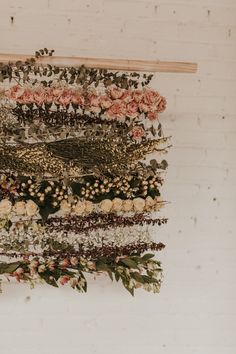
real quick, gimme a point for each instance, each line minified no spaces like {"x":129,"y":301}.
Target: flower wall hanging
{"x":81,"y":167}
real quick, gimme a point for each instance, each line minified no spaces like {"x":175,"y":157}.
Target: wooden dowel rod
{"x":112,"y":64}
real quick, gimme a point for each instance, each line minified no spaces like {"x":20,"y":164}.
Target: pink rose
{"x":64,"y":279}
{"x":132,"y":109}
{"x":117,"y":110}
{"x":105,"y":101}
{"x":138,"y":95}
{"x":49,"y":96}
{"x":27,"y":97}
{"x":161,"y":105}
{"x":152,"y":115}
{"x":143,"y":107}
{"x":151,"y":97}
{"x":18,"y":274}
{"x":127,"y":96}
{"x":65,"y":97}
{"x":115,"y":92}
{"x":57,"y":91}
{"x":93,"y":100}
{"x":137,"y":132}
{"x":78,"y":99}
{"x":15,"y":92}
{"x":65,"y":263}
{"x":40,"y":96}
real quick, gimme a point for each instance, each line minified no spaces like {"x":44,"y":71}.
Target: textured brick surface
{"x":195,"y":312}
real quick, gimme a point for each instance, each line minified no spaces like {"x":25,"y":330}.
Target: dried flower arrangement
{"x":79,"y":189}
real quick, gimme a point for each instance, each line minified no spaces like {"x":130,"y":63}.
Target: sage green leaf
{"x":129,"y":262}
{"x":9,"y":267}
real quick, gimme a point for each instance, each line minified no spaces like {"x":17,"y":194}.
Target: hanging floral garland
{"x":79,"y":187}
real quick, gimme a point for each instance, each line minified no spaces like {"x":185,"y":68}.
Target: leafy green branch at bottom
{"x":134,"y":271}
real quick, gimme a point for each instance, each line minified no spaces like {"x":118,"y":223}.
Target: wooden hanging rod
{"x":112,"y":64}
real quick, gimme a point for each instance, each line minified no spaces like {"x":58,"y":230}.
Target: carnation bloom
{"x":152,"y":115}
{"x":105,"y":102}
{"x":137,"y":132}
{"x":132,"y":109}
{"x":117,"y":110}
{"x":115,"y":92}
{"x":162,"y":105}
{"x":64,"y":279}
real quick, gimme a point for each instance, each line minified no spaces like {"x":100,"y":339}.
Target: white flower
{"x":79,"y":208}
{"x":117,"y":204}
{"x":139,"y":204}
{"x":19,"y":208}
{"x":65,"y":207}
{"x":88,"y":207}
{"x":127,"y":205}
{"x":5,"y":207}
{"x":106,"y":205}
{"x":31,"y":208}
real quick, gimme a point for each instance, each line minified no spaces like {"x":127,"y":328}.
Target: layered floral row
{"x":115,"y":103}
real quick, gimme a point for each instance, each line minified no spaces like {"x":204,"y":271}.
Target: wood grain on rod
{"x":112,"y":64}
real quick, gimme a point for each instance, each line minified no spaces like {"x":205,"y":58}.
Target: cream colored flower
{"x":19,"y":208}
{"x":79,"y":208}
{"x":127,"y":205}
{"x":73,"y":282}
{"x":41,"y":268}
{"x":106,"y":205}
{"x":31,"y":208}
{"x":5,"y":207}
{"x":149,"y":203}
{"x":139,"y":204}
{"x":65,"y":207}
{"x":74,"y":261}
{"x":88,"y":207}
{"x":117,"y":204}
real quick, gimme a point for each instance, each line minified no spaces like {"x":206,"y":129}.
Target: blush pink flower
{"x":27,"y":96}
{"x":143,"y":107}
{"x":117,"y":110}
{"x":93,"y":100}
{"x":57,"y":91}
{"x":127,"y":96}
{"x":152,"y":115}
{"x":40,"y":95}
{"x":18,"y":274}
{"x":132,"y":109}
{"x":65,"y":262}
{"x":137,"y":132}
{"x":115,"y":92}
{"x":49,"y":95}
{"x":64,"y":279}
{"x":65,"y":97}
{"x":162,"y":105}
{"x":151,"y":97}
{"x":138,"y":95}
{"x":105,"y":102}
{"x":15,"y":92}
{"x":78,"y":99}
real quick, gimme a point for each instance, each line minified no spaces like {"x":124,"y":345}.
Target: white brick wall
{"x":195,"y":312}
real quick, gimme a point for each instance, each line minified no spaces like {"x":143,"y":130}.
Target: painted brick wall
{"x":195,"y":312}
